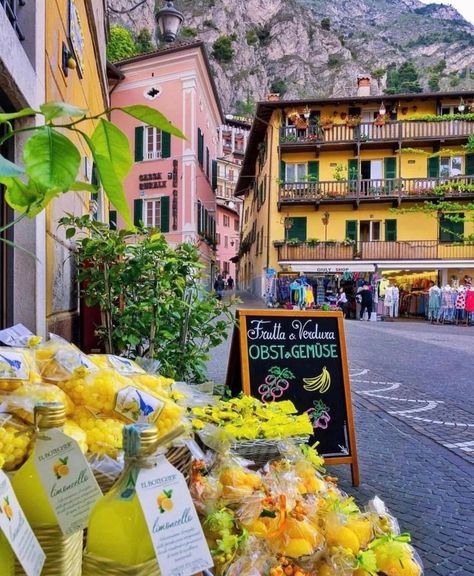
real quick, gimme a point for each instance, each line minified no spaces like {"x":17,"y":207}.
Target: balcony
{"x":393,"y":190}
{"x":375,"y":251}
{"x":10,"y":7}
{"x":397,"y":131}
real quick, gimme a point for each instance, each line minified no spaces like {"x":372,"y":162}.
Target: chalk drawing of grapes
{"x":275,"y":383}
{"x":319,"y":415}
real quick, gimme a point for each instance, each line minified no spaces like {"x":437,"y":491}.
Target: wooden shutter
{"x":165,"y":144}
{"x":298,"y":230}
{"x":450,"y":231}
{"x":390,"y":230}
{"x":165,"y":213}
{"x":137,"y":211}
{"x":390,"y":167}
{"x":207,"y":162}
{"x":351,"y":230}
{"x":313,"y":170}
{"x":200,"y":147}
{"x":138,"y":143}
{"x":113,"y":219}
{"x":352,"y":169}
{"x":214,"y":175}
{"x":433,"y":167}
{"x":282,"y":170}
{"x":469,"y":165}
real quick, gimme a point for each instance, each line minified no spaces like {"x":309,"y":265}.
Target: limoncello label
{"x":13,"y":365}
{"x":67,"y":479}
{"x":124,"y":366}
{"x":178,"y":540}
{"x":18,"y":532}
{"x":138,"y":406}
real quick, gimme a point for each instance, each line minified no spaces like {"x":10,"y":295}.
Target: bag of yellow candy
{"x":15,"y":440}
{"x":17,"y":366}
{"x":22,"y":401}
{"x":103,"y":433}
{"x":58,"y":359}
{"x":73,"y":430}
{"x":131,"y":369}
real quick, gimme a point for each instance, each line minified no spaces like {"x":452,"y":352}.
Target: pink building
{"x":171,"y":185}
{"x":228,"y":235}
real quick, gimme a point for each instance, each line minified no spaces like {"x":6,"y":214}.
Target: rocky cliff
{"x":305,"y":48}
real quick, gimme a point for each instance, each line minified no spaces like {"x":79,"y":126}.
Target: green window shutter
{"x":137,"y":211}
{"x":113,"y":219}
{"x":469,"y":165}
{"x":352,"y":169}
{"x":207,"y":161}
{"x":138,"y":143}
{"x":200,"y":147}
{"x":313,"y":171}
{"x":450,"y":231}
{"x":165,"y":144}
{"x":390,"y":167}
{"x":214,"y":175}
{"x":298,"y":230}
{"x":165,"y":213}
{"x":433,"y":167}
{"x":391,"y":230}
{"x":282,"y":170}
{"x":351,"y":230}
{"x":94,"y":175}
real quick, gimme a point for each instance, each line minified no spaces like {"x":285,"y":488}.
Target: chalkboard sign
{"x":299,"y":356}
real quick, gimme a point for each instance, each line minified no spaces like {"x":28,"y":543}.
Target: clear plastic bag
{"x":15,"y":441}
{"x":17,"y":366}
{"x":22,"y":401}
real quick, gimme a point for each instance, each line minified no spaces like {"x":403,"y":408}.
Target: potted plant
{"x":312,"y":242}
{"x":327,"y":123}
{"x":278,"y":243}
{"x":293,"y":242}
{"x":380,"y":120}
{"x":353,"y":120}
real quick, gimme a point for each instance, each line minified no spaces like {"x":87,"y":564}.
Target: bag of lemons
{"x":17,"y":366}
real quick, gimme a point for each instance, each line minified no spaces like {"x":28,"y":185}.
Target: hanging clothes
{"x":470,"y":300}
{"x":434,"y":302}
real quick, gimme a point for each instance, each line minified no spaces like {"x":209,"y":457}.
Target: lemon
{"x":167,"y":504}
{"x":362,"y":528}
{"x":303,"y":530}
{"x":342,"y":536}
{"x":297,"y":547}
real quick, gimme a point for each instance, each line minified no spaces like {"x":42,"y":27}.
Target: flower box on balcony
{"x":278,"y":243}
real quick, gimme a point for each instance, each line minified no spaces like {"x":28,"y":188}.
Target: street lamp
{"x":169,"y":20}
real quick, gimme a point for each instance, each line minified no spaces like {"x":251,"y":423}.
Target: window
{"x":231,"y":175}
{"x":225,"y":269}
{"x":226,"y":241}
{"x":450,"y":166}
{"x":450,"y":230}
{"x":208,"y":162}
{"x":369,"y":230}
{"x":236,"y":224}
{"x":295,"y":172}
{"x":246,"y":217}
{"x":453,"y":109}
{"x":297,"y":231}
{"x":218,"y":238}
{"x":219,"y":190}
{"x":153,"y":213}
{"x":152,"y":140}
{"x":226,"y":221}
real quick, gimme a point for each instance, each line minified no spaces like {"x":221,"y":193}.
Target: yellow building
{"x":323,"y":179}
{"x":77,"y":29}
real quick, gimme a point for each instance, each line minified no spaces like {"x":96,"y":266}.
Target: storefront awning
{"x":339,"y":267}
{"x":329,"y":267}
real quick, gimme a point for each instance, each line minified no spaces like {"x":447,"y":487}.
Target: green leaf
{"x":110,"y":142}
{"x":29,"y":198}
{"x":8,"y":168}
{"x":113,"y":186}
{"x":52,"y":110}
{"x":21,"y":114}
{"x":51,"y":159}
{"x":83,"y":186}
{"x":70,"y":233}
{"x":152,"y":117}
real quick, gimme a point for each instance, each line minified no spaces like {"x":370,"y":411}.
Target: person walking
{"x":219,"y":287}
{"x":230,"y":283}
{"x":366,"y":301}
{"x":342,"y":302}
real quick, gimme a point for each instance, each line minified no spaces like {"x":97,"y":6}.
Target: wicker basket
{"x":95,"y":566}
{"x":262,"y":451}
{"x":63,"y":553}
{"x":179,"y":456}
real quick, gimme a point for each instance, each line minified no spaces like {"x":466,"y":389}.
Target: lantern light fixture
{"x":169,"y":20}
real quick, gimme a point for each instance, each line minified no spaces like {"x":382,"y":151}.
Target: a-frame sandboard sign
{"x":300,"y":356}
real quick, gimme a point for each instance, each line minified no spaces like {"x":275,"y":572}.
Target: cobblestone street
{"x":414,"y":414}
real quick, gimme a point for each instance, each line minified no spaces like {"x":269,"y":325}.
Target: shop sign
{"x":299,"y":356}
{"x":331,"y":267}
{"x":76,"y":35}
{"x":151,"y":181}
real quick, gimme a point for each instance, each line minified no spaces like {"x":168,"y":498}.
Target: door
{"x":369,"y":231}
{"x":371,"y":175}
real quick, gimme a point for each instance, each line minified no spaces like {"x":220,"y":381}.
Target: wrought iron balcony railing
{"x":377,"y":189}
{"x":375,"y":251}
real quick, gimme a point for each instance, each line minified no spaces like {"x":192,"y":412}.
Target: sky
{"x":464,"y":7}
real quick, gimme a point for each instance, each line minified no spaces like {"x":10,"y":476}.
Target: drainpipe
{"x":270,"y":194}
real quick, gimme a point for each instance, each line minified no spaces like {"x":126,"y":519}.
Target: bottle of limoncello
{"x":117,"y":531}
{"x":62,"y":552}
{"x":7,"y":558}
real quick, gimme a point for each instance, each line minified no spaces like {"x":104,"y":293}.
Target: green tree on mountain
{"x":144,"y":42}
{"x":120,"y":44}
{"x":402,"y":80}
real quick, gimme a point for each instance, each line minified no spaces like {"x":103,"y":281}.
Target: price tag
{"x":13,"y":365}
{"x":124,"y":366}
{"x":67,"y":479}
{"x":18,"y":532}
{"x":17,"y":335}
{"x":137,"y":405}
{"x":180,"y":546}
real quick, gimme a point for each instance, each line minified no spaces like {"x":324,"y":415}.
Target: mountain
{"x":306,"y":48}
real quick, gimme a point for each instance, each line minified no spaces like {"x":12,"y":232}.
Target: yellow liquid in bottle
{"x":117,"y":529}
{"x":32,"y":496}
{"x":7,"y":558}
